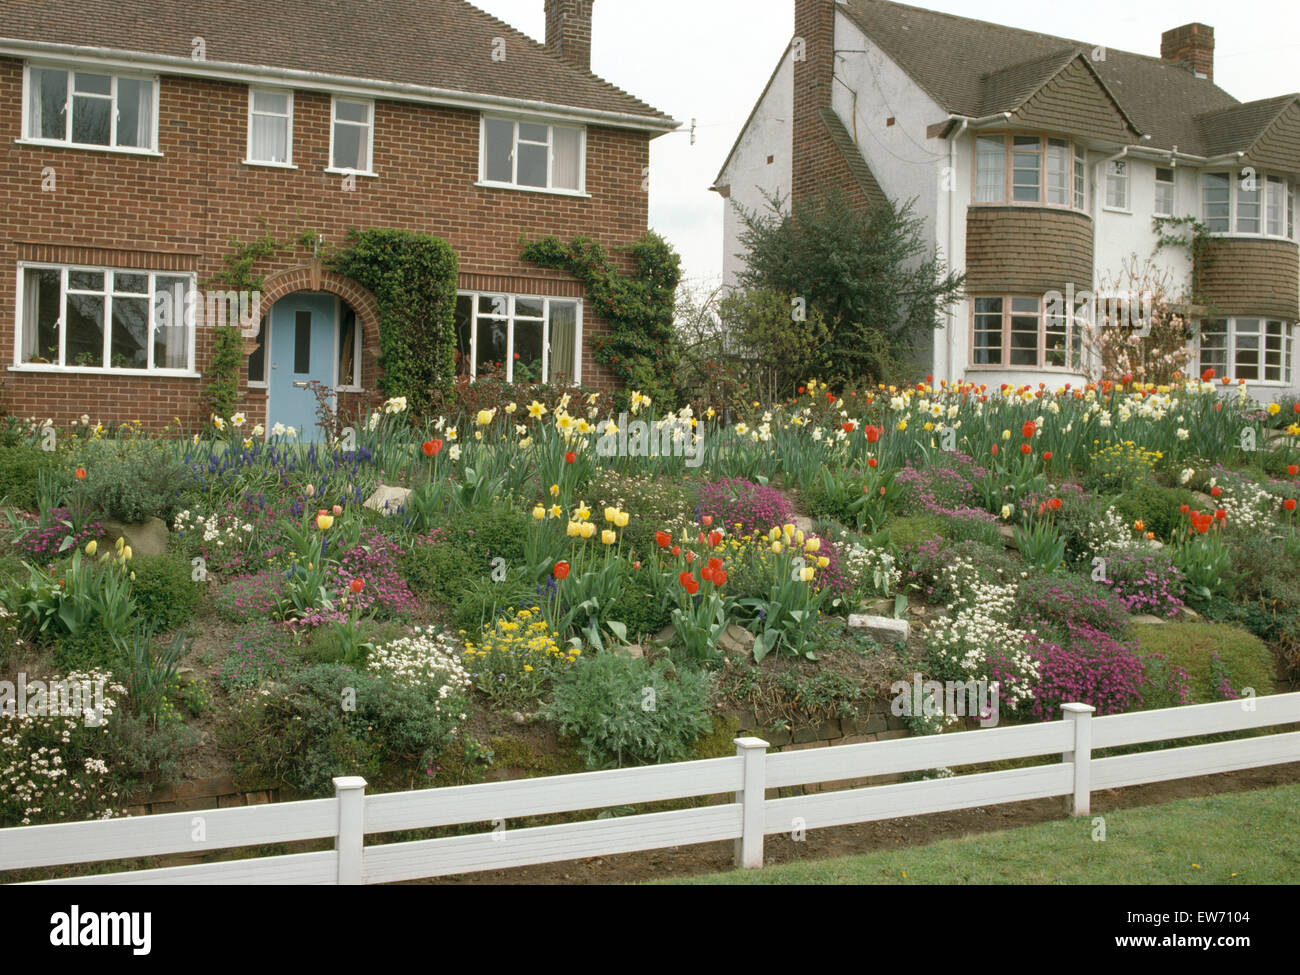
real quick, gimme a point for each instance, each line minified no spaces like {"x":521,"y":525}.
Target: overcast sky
{"x":709,"y":60}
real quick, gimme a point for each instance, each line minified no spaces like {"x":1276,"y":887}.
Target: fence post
{"x":350,"y":791}
{"x":753,"y":791}
{"x":1080,"y":715}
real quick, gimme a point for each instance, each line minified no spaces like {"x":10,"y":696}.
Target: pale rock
{"x":387,"y":499}
{"x":882,"y":629}
{"x":145,"y":538}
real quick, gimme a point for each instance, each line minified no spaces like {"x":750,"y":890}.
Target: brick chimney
{"x":568,"y":31}
{"x":813,"y":50}
{"x":1191,"y":45}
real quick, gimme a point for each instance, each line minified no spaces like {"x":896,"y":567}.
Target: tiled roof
{"x":439,"y":44}
{"x":966,"y":65}
{"x":1236,"y":129}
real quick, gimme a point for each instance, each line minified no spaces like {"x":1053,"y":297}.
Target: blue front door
{"x":303,"y":335}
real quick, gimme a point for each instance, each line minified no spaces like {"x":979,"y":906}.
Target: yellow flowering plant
{"x":515,"y":657}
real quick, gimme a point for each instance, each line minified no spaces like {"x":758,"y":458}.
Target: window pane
{"x":132,"y":284}
{"x":1248,"y":206}
{"x":129,"y":340}
{"x":1273,"y":351}
{"x":1024,"y":331}
{"x":348,"y":146}
{"x":527,"y":365}
{"x":532,"y":132}
{"x":529,"y":307}
{"x":1058,"y":171}
{"x":1276,"y":206}
{"x":47,"y":104}
{"x":86,"y":280}
{"x":565,"y":164}
{"x":302,"y":343}
{"x":42,"y":296}
{"x":85,"y":328}
{"x":1080,"y":176}
{"x":92,"y":84}
{"x":1117,"y":184}
{"x":256,"y":359}
{"x":271,"y":101}
{"x":90,"y":120}
{"x":532,"y":165}
{"x":270,"y":139}
{"x":498,"y":138}
{"x":490,"y":349}
{"x":352,"y":111}
{"x":1217,"y":189}
{"x":990,"y":169}
{"x":1055,"y":334}
{"x":564,"y":341}
{"x":1164,"y":192}
{"x":1214,"y":346}
{"x":1026,"y":176}
{"x":988,"y":332}
{"x":135,"y":113}
{"x":347,"y":346}
{"x":464,"y":322}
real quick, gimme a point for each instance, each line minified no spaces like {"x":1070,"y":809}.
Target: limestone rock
{"x":882,"y":629}
{"x":736,"y":639}
{"x":145,"y":538}
{"x":1146,"y":618}
{"x":387,"y":500}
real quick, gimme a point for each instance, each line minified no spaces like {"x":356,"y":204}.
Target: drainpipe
{"x":951,"y":357}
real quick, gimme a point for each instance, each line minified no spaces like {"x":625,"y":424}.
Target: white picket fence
{"x":352,"y":814}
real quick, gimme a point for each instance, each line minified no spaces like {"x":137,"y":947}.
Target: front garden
{"x":430,"y":600}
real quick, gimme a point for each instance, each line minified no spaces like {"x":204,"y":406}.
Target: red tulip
{"x":1221,"y":515}
{"x":715,"y":539}
{"x":1293,"y":469}
{"x":690,"y":557}
{"x":801,"y":390}
{"x":715,"y":564}
{"x":873,"y":433}
{"x":707,"y":520}
{"x":570,"y":457}
{"x":1026,"y":449}
{"x":830,"y":397}
{"x":1047,"y":455}
{"x":706,"y":574}
{"x":1183,"y":508}
{"x":561,"y":571}
{"x":847,"y":426}
{"x":872,"y":462}
{"x":1289,"y":504}
{"x":692,"y":586}
{"x":684,"y":577}
{"x":1207,"y":375}
{"x":636,"y":565}
{"x":81,"y":473}
{"x":1054,"y":504}
{"x":720,"y":578}
{"x":1215,"y":491}
{"x":432,"y":447}
{"x":663,"y":539}
{"x":677,"y":550}
{"x":995,"y":450}
{"x":356,"y":585}
{"x":1029,"y":429}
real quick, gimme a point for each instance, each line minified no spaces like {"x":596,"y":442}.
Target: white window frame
{"x":1124,"y":179}
{"x":64,"y":270}
{"x":71,"y":70}
{"x":1074,"y":352}
{"x":550,"y":158}
{"x":1172,"y":184}
{"x":1265,"y":182}
{"x":370,"y":141}
{"x":288,"y":163}
{"x":511,"y":299}
{"x":1229,"y":366}
{"x":356,"y":387}
{"x":1075,"y":185}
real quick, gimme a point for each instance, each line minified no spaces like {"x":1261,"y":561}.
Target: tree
{"x":1137,"y":328}
{"x":871,"y":274}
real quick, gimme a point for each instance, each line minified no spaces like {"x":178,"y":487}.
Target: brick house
{"x":1038,"y":165}
{"x":140,"y":137}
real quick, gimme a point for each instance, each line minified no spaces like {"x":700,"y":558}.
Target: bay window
{"x":1249,"y":204}
{"x":1258,"y":350}
{"x":99,"y":318}
{"x":1030,"y":169}
{"x":89,"y":109}
{"x":532,"y":155}
{"x":1025,"y":332}
{"x":523,"y":339}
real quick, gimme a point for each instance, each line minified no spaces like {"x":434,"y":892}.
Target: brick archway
{"x":314,"y":277}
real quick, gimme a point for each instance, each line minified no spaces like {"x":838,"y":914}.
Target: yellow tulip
{"x":807,"y":573}
{"x":609,"y":513}
{"x":608,"y":537}
{"x":620,"y":519}
{"x":574,"y":529}
{"x":91,"y":547}
{"x":813,"y":545}
{"x":324,"y":521}
{"x":539,"y":512}
{"x":822,"y":561}
{"x":588,"y":529}
{"x":776,"y":547}
{"x":126,"y":554}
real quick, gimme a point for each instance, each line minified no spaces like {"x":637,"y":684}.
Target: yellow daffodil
{"x":536,"y":410}
{"x":539,"y":513}
{"x":556,"y":511}
{"x":555,"y":490}
{"x":582,"y":513}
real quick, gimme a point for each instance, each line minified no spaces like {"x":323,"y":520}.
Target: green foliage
{"x":629,"y":712}
{"x":132,"y":480}
{"x":302,"y":735}
{"x":482,"y":599}
{"x":413,"y":278}
{"x":437,"y":570}
{"x":492,"y":531}
{"x":789,"y":348}
{"x":1241,"y":657}
{"x":639,"y":608}
{"x":641,"y":347}
{"x":20,"y":471}
{"x":164,"y":590}
{"x":144,"y":755}
{"x":150,"y":670}
{"x":1156,"y":507}
{"x":910,"y":531}
{"x":871,"y":274}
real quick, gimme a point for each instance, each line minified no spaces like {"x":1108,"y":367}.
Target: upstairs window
{"x":1117,"y":184}
{"x":351,"y":136}
{"x":533,"y":155}
{"x":1164,"y":192}
{"x":91,"y":110}
{"x":270,"y":127}
{"x":1249,"y":203}
{"x":1030,"y":169}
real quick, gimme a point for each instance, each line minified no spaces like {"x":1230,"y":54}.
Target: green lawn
{"x":1237,"y":838}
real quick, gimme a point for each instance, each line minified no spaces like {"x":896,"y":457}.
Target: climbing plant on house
{"x":641,"y":346}
{"x":413,"y":278}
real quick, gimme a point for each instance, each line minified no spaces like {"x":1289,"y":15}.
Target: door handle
{"x":300,"y":384}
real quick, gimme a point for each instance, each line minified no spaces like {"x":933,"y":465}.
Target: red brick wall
{"x":179,"y":212}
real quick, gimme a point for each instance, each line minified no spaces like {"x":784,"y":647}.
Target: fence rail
{"x":747,"y":777}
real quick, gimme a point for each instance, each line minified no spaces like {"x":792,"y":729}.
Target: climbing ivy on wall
{"x":1188,"y":233}
{"x":413,"y":278}
{"x":641,"y":347}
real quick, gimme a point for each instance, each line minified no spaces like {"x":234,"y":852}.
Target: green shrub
{"x":92,"y":649}
{"x":258,"y":652}
{"x":1211,"y":653}
{"x":481,"y":599}
{"x":639,"y":609}
{"x":300,"y":735}
{"x":133,"y":480}
{"x":1156,"y":507}
{"x":437,"y":570}
{"x":628,"y":712}
{"x":164,"y":590}
{"x":144,"y":755}
{"x":20,"y":471}
{"x":910,"y":531}
{"x":490,"y":532}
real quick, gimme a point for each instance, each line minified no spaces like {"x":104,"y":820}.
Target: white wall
{"x":748,"y":172}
